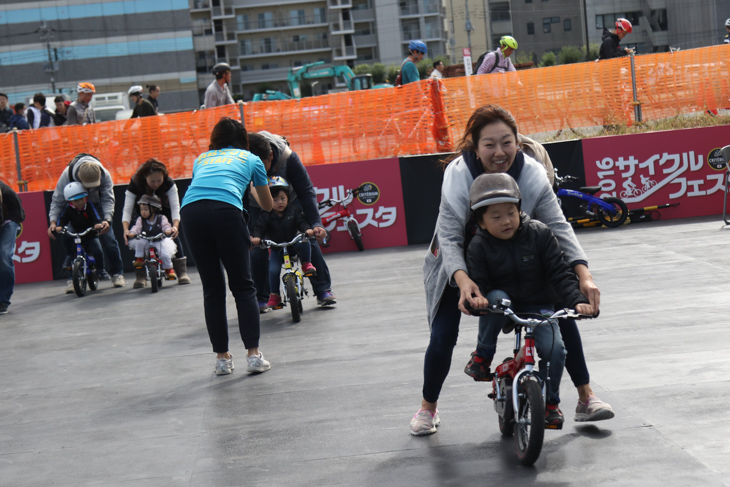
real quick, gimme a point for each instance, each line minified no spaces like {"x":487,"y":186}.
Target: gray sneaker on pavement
{"x":224,"y":366}
{"x":70,"y":287}
{"x":257,"y":363}
{"x":118,"y":280}
{"x":593,"y":410}
{"x":425,"y":422}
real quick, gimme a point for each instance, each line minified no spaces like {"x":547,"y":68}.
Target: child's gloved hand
{"x":309,"y":233}
{"x":255,"y":241}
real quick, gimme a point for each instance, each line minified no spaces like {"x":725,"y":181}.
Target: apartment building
{"x":50,"y":46}
{"x":263,"y":39}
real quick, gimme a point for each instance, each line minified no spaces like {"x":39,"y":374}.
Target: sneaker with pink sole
{"x":593,"y":410}
{"x":425,"y":422}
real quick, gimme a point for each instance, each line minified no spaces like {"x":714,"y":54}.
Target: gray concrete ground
{"x":117,"y":388}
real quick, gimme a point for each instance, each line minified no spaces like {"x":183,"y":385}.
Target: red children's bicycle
{"x":353,"y":227}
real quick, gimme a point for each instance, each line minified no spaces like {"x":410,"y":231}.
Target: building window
{"x":245,"y":47}
{"x":546,"y":22}
{"x":266,"y":20}
{"x":530,"y":28}
{"x":660,"y":16}
{"x":499,"y":12}
{"x":269,"y":66}
{"x":320,"y":15}
{"x":242,"y":20}
{"x":296,"y":17}
{"x":566,"y":25}
{"x":528,"y":1}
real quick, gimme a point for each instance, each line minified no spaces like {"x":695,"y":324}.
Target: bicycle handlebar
{"x":349,"y":194}
{"x":154,"y":238}
{"x":64,"y":230}
{"x":503,"y":306}
{"x":271,"y":244}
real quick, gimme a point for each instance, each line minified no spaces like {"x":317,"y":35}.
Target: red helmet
{"x":624,"y":25}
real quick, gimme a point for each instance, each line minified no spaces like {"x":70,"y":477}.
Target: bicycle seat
{"x":590,"y":189}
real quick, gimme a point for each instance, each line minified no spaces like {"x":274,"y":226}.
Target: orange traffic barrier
{"x":419,"y":118}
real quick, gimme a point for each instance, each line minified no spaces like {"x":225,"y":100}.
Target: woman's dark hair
{"x":483,"y":116}
{"x":259,"y":146}
{"x":39,"y":98}
{"x":150,"y":166}
{"x":228,"y":133}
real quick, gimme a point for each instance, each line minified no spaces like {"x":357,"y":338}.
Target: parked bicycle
{"x":610,"y":211}
{"x":293,"y":278}
{"x":83,"y":268}
{"x":152,"y":264}
{"x":518,"y":391}
{"x":353,"y":227}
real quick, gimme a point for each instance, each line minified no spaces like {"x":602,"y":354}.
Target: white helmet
{"x":727,"y":23}
{"x":74,"y":191}
{"x":135,"y":90}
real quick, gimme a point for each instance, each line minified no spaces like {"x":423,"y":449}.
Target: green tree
{"x":593,"y":50}
{"x":363,"y":69}
{"x":524,"y":57}
{"x":548,"y":59}
{"x":379,"y":72}
{"x":571,"y":55}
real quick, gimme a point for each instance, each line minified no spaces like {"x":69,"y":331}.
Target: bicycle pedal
{"x":553,"y":426}
{"x":486,"y":379}
{"x":491,"y":395}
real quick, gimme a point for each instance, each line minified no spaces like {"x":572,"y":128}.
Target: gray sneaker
{"x":70,"y":287}
{"x":424,"y":422}
{"x":257,"y":363}
{"x":224,"y":366}
{"x":593,"y":410}
{"x":118,"y":280}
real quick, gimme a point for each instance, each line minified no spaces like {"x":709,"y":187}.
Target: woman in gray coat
{"x":490,"y":145}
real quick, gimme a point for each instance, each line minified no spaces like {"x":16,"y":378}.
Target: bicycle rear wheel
{"x":354,"y":229}
{"x":93,"y":280}
{"x":152,"y":273}
{"x":530,"y":423}
{"x":617,"y":218}
{"x":79,"y":278}
{"x":294,"y":300}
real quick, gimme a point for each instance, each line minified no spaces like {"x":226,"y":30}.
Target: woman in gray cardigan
{"x":490,"y":145}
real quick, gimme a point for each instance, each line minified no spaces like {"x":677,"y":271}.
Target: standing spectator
{"x":438,"y":70}
{"x":610,"y":47}
{"x":280,"y":160}
{"x":408,"y":68}
{"x":218,"y":93}
{"x":154,"y":93}
{"x":38,"y":115}
{"x":60,"y":116}
{"x":5,"y":113}
{"x":87,"y":170}
{"x":499,"y":60}
{"x":79,"y":112}
{"x":727,"y":28}
{"x":218,"y":238}
{"x":142,"y":107}
{"x":12,"y":216}
{"x":17,"y":120}
{"x":152,"y":179}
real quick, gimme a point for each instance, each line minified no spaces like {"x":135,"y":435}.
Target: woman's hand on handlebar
{"x":584,"y":309}
{"x":255,"y":241}
{"x":53,"y":228}
{"x":174,"y":232}
{"x":319,"y":233}
{"x":468,"y":291}
{"x":127,"y":236}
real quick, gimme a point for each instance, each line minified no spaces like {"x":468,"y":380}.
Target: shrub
{"x":548,"y":59}
{"x":571,"y":55}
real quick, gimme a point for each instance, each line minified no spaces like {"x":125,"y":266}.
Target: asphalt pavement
{"x":117,"y":388}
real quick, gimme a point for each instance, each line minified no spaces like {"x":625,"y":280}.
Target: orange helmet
{"x":85,"y":88}
{"x":624,"y":25}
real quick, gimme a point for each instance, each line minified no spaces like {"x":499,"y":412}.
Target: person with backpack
{"x":38,"y":115}
{"x":498,"y":61}
{"x":408,"y":69}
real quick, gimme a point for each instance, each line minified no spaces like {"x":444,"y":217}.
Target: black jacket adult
{"x":529,"y":267}
{"x":281,"y":228}
{"x":12,"y":209}
{"x":610,"y":47}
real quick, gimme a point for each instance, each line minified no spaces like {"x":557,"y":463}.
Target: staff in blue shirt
{"x":408,"y":69}
{"x":216,"y":233}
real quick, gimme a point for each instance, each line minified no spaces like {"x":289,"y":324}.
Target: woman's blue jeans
{"x":8,"y":231}
{"x":276,"y":259}
{"x":549,"y":343}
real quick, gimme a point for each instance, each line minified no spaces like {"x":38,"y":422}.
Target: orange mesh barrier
{"x":419,"y":118}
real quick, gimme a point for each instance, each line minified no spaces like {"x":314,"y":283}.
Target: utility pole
{"x":468,"y":28}
{"x":49,"y":67}
{"x":585,"y":29}
{"x":452,"y":41}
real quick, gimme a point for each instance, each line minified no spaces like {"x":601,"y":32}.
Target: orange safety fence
{"x":419,"y":118}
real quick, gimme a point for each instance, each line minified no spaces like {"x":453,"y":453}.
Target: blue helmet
{"x":417,"y":46}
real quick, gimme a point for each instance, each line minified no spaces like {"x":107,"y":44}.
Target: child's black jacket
{"x":281,"y":228}
{"x":529,"y":267}
{"x":80,"y":220}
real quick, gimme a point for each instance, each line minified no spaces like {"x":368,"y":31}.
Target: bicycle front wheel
{"x":354,"y":229}
{"x":291,"y":292}
{"x":615,"y":219}
{"x":152,"y":272}
{"x":530,"y":423}
{"x":79,"y":278}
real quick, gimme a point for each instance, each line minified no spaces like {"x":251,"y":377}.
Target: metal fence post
{"x":240,"y":109}
{"x":636,"y":103}
{"x":22,"y":185}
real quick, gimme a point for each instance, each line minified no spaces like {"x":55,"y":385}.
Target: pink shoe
{"x":308,"y":269}
{"x":274,"y":301}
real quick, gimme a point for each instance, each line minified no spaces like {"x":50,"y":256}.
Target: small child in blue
{"x":516,"y":258}
{"x":79,"y":215}
{"x":282,"y":224}
{"x":152,"y":222}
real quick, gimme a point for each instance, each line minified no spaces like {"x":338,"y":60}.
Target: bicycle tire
{"x":354,"y":229}
{"x":79,"y":278}
{"x":152,"y":272}
{"x":291,"y":292}
{"x":530,"y":423}
{"x":612,"y":221}
{"x":93,"y":280}
{"x":506,"y":421}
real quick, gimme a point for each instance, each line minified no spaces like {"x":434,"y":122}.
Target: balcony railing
{"x":283,"y":47}
{"x":430,"y":7}
{"x":339,"y":3}
{"x":279,"y":22}
{"x":223,"y":12}
{"x":199,"y":4}
{"x":409,"y":9}
{"x":348,"y":52}
{"x":411,"y":33}
{"x":225,"y":37}
{"x":342,"y":27}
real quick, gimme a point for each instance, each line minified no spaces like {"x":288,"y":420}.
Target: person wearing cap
{"x":610,"y":40}
{"x":495,"y":262}
{"x":87,"y":170}
{"x":408,"y":69}
{"x":79,"y":112}
{"x":218,"y":93}
{"x":498,"y":61}
{"x":490,"y":145}
{"x":142,"y":107}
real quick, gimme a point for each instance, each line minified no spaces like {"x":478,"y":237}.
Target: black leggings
{"x":216,"y":233}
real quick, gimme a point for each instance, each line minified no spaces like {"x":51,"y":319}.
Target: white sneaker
{"x":424,"y":422}
{"x":257,"y":363}
{"x":224,"y":366}
{"x":118,"y":280}
{"x":70,"y":287}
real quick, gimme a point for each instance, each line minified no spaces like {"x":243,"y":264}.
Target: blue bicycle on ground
{"x":610,"y":211}
{"x":84,"y":265}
